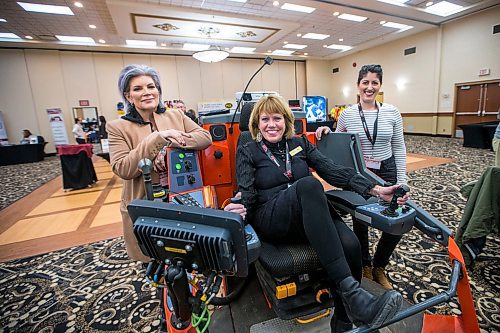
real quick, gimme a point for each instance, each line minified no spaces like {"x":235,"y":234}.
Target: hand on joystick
{"x":398,"y":193}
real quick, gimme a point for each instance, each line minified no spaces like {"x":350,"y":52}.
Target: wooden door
{"x":477,"y":103}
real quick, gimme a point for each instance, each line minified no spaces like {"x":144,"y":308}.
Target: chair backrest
{"x":345,"y":149}
{"x":246,"y":110}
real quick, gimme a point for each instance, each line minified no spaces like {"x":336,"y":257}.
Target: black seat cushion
{"x":287,"y":260}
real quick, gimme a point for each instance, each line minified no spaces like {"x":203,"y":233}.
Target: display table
{"x":17,"y":154}
{"x":478,"y":135}
{"x":77,"y":168}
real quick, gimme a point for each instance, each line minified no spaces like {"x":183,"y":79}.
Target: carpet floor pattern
{"x":96,"y":288}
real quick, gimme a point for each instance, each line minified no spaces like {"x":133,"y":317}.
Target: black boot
{"x":339,"y":326}
{"x":365,"y":308}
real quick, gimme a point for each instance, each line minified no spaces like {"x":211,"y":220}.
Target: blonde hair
{"x":271,"y":105}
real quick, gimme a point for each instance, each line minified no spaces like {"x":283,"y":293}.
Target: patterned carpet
{"x":96,"y":288}
{"x":21,"y":179}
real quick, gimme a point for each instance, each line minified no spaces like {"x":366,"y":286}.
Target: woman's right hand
{"x":175,"y":136}
{"x":322,"y":130}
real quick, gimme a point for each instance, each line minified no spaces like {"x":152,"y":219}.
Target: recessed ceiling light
{"x":350,"y":17}
{"x":312,"y":35}
{"x":305,"y":53}
{"x":430,"y":3}
{"x":49,"y":9}
{"x":341,"y":39}
{"x":28,"y":37}
{"x":325,"y":45}
{"x":226,"y":48}
{"x":383,"y":22}
{"x":9,"y":35}
{"x":282,"y":52}
{"x":163,"y":44}
{"x":240,"y":49}
{"x":444,"y":8}
{"x":285,"y":42}
{"x":269,"y":51}
{"x":143,"y":43}
{"x":401,"y":27}
{"x":76,"y":39}
{"x":242,"y":1}
{"x":336,"y":14}
{"x":299,"y":35}
{"x":195,"y":47}
{"x":102,"y":41}
{"x":78,"y":4}
{"x":295,"y":46}
{"x":394,"y":2}
{"x":91,"y":26}
{"x":339,"y":47}
{"x":3,"y":20}
{"x":298,"y":8}
{"x":276,"y":3}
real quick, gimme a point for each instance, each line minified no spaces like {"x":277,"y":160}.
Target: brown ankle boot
{"x":367,"y":272}
{"x":380,"y":277}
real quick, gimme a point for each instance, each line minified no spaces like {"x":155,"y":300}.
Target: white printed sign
{"x":57,"y":125}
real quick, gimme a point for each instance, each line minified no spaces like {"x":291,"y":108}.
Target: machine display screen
{"x":316,"y":108}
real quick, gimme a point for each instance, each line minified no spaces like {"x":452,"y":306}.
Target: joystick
{"x":400,"y":192}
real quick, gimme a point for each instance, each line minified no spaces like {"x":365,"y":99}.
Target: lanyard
{"x":288,"y":172}
{"x":365,"y":125}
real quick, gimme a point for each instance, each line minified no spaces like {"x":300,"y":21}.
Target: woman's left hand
{"x":386,"y":192}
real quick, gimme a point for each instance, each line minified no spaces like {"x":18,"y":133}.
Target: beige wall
{"x":36,"y":80}
{"x":422,"y":82}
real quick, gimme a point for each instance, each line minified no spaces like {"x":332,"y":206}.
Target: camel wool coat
{"x":130,"y":140}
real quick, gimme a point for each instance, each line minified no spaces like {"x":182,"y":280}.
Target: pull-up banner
{"x":56,"y":121}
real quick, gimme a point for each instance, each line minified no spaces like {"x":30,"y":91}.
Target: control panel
{"x":398,"y":222}
{"x":253,"y":243}
{"x":184,"y":171}
{"x":194,"y":198}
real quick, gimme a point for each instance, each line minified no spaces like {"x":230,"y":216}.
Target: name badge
{"x":295,"y":151}
{"x":372,"y":164}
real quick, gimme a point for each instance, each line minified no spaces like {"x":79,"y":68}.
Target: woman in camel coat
{"x":142,"y":133}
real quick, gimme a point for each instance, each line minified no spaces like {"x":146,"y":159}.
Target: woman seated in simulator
{"x":285,"y":203}
{"x":144,"y":132}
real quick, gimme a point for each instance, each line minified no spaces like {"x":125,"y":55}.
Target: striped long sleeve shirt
{"x":390,"y":139}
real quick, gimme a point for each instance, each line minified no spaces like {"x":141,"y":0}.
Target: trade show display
{"x":77,"y":168}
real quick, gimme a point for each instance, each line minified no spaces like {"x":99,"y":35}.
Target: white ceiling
{"x":117,"y":20}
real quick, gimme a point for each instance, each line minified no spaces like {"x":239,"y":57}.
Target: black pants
{"x":301,"y":213}
{"x":387,"y":242}
{"x":80,"y":141}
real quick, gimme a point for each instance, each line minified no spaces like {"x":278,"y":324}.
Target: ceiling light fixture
{"x":395,"y":2}
{"x":102,"y":41}
{"x":339,"y":47}
{"x":295,"y":46}
{"x":350,"y":17}
{"x":195,"y":47}
{"x":28,"y":37}
{"x":92,"y":26}
{"x":48,"y":9}
{"x":400,"y":26}
{"x":444,"y":8}
{"x":242,"y":49}
{"x":76,"y":39}
{"x":213,"y":54}
{"x":276,"y":3}
{"x":312,"y":35}
{"x":78,"y":4}
{"x":298,"y":8}
{"x":283,"y":52}
{"x":9,"y":35}
{"x":3,"y":20}
{"x":140,"y":43}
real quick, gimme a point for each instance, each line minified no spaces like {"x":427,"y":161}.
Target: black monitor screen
{"x":316,"y":108}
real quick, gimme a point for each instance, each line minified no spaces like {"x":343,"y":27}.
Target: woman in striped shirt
{"x":380,"y":129}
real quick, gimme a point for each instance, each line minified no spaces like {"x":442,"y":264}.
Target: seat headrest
{"x":246,"y":110}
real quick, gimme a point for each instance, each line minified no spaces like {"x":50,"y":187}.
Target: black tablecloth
{"x":17,"y":154}
{"x":77,"y":170}
{"x":478,"y":135}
